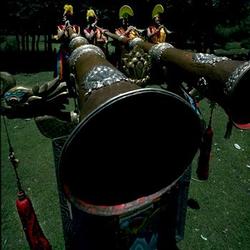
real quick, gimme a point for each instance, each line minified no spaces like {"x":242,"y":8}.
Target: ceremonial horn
{"x":225,"y":81}
{"x":131,"y":144}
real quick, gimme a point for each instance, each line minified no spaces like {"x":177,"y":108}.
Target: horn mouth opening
{"x":240,"y":102}
{"x":130,"y":148}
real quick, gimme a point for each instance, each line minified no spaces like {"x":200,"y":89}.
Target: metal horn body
{"x":226,"y":81}
{"x":220,"y":79}
{"x":113,"y":162}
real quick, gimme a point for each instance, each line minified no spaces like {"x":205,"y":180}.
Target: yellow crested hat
{"x":125,"y":11}
{"x":158,"y":9}
{"x":68,"y":8}
{"x":90,"y":12}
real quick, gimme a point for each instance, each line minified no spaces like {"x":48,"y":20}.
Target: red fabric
{"x":205,"y":154}
{"x":31,"y":227}
{"x":242,"y":126}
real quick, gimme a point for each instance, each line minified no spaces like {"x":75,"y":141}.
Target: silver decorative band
{"x":84,"y":49}
{"x":156,"y":51}
{"x":134,"y":42}
{"x":74,"y":35}
{"x":208,"y":58}
{"x":236,"y":76}
{"x":77,"y":40}
{"x":101,"y":76}
{"x":121,"y":37}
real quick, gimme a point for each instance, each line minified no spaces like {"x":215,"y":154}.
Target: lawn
{"x":222,"y":222}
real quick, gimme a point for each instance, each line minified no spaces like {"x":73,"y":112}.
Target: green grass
{"x":9,"y":43}
{"x":37,"y":175}
{"x":224,"y":216}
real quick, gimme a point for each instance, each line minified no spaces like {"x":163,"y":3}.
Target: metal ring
{"x":101,"y":76}
{"x":156,"y":51}
{"x":121,"y":37}
{"x":84,"y":49}
{"x":134,"y":42}
{"x":77,"y":40}
{"x":236,"y":76}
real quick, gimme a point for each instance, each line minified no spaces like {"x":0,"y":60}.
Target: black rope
{"x":14,"y":161}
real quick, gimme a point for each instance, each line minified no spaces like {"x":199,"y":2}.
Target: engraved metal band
{"x":236,"y":76}
{"x":77,"y":40}
{"x":156,"y":51}
{"x":135,"y":42}
{"x":208,"y":58}
{"x":74,"y":35}
{"x":101,"y":76}
{"x":121,"y":37}
{"x":84,"y":49}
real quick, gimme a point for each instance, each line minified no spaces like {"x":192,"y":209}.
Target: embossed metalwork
{"x":208,"y":58}
{"x":156,"y":51}
{"x":101,"y":76}
{"x":77,"y":40}
{"x":134,"y":42}
{"x":84,"y":49}
{"x":235,"y":76}
{"x":121,"y":38}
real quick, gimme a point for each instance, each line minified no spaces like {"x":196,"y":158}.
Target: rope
{"x":14,"y":161}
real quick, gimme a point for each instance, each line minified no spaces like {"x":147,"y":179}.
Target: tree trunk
{"x":49,"y":43}
{"x":27,"y":42}
{"x":18,"y":43}
{"x":33,"y":42}
{"x":37,"y":42}
{"x":23,"y":42}
{"x":45,"y":43}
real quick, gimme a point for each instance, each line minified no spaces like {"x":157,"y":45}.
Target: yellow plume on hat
{"x":90,"y":13}
{"x":125,"y":11}
{"x":68,"y":9}
{"x":158,"y":9}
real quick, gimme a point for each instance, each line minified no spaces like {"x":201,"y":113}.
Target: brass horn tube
{"x":103,"y":158}
{"x":218,"y":78}
{"x":91,"y":67}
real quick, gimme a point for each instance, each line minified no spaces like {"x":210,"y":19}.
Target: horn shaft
{"x":114,"y":113}
{"x":220,"y":79}
{"x":95,"y":75}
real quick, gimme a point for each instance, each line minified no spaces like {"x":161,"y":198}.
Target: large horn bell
{"x":135,"y":145}
{"x":131,"y":145}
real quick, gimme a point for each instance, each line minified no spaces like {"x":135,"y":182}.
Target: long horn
{"x":220,"y":79}
{"x":121,"y":130}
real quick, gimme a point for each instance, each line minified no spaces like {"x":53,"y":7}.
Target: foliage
{"x":233,"y":20}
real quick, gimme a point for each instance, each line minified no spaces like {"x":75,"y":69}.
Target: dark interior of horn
{"x":130,"y":147}
{"x":240,"y":100}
